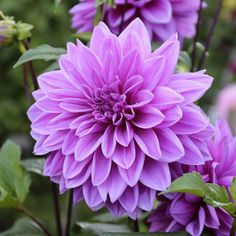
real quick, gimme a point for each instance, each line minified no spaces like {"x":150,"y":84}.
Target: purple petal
{"x":129,"y":199}
{"x":131,"y":175}
{"x":87,"y":145}
{"x":101,"y":167}
{"x":124,"y":134}
{"x":124,"y":156}
{"x":170,"y":51}
{"x":197,"y":225}
{"x":155,"y":175}
{"x":148,"y":141}
{"x":148,"y":117}
{"x":142,"y":41}
{"x":109,"y":141}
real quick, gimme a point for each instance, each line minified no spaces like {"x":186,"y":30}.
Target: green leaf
{"x":85,"y":36}
{"x":14,"y":180}
{"x":217,"y":196}
{"x":189,"y":183}
{"x":34,"y":165}
{"x":23,"y":31}
{"x":184,"y":63}
{"x":23,"y":227}
{"x":99,"y":228}
{"x":232,"y":189}
{"x":42,"y":52}
{"x":106,"y":218}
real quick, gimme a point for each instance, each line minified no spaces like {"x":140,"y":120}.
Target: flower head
{"x":186,"y":212}
{"x":7,"y":30}
{"x":162,"y":17}
{"x":114,"y":115}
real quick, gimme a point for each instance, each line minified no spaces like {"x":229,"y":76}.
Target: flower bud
{"x":7,"y":30}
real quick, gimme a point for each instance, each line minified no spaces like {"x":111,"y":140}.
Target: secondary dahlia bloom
{"x":161,"y":17}
{"x":178,"y":212}
{"x":114,"y":115}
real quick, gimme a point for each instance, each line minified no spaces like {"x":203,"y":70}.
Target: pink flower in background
{"x":226,"y":101}
{"x":115,"y":115}
{"x":162,"y":18}
{"x":226,"y":105}
{"x":178,"y":212}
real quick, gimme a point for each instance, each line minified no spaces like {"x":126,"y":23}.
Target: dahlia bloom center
{"x":110,"y":106}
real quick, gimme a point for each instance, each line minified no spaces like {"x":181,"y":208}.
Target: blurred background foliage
{"x":52,"y":26}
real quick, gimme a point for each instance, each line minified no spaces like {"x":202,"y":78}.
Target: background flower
{"x":178,"y":212}
{"x":115,"y":115}
{"x":226,"y":105}
{"x":162,"y":18}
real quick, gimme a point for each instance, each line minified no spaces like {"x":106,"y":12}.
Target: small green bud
{"x":7,"y":30}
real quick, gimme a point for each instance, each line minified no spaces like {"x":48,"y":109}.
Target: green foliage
{"x":34,"y":165}
{"x":23,"y":227}
{"x":214,"y":195}
{"x":99,"y":228}
{"x":42,"y":52}
{"x":189,"y":183}
{"x":232,"y":189}
{"x":14,"y":180}
{"x":184,"y":63}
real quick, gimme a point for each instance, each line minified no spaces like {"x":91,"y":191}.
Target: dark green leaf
{"x":14,"y":180}
{"x":99,"y":228}
{"x":189,"y":183}
{"x":217,"y":196}
{"x":34,"y":165}
{"x":232,"y":189}
{"x":42,"y":52}
{"x":23,"y":227}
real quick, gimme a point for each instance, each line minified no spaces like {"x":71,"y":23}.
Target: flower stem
{"x":134,"y":225}
{"x":31,"y":67}
{"x":57,"y":210}
{"x":69,"y":213}
{"x":196,"y":36}
{"x":233,"y":228}
{"x":210,"y":33}
{"x":26,"y":84}
{"x":44,"y":229}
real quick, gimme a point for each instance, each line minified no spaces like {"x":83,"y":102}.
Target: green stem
{"x":196,"y":36}
{"x":134,"y":225}
{"x":69,"y":213}
{"x":210,"y":33}
{"x":233,"y":228}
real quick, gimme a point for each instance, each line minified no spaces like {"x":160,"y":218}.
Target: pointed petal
{"x":148,"y":141}
{"x":148,"y":117}
{"x":129,"y":199}
{"x":124,"y":134}
{"x":101,"y":167}
{"x":124,"y":156}
{"x":139,"y":28}
{"x":131,"y":175}
{"x":87,"y":145}
{"x":109,"y":141}
{"x":170,"y":51}
{"x":155,"y":175}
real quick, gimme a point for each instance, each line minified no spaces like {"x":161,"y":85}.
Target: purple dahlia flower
{"x":114,"y":115}
{"x":178,"y":212}
{"x":162,"y":17}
